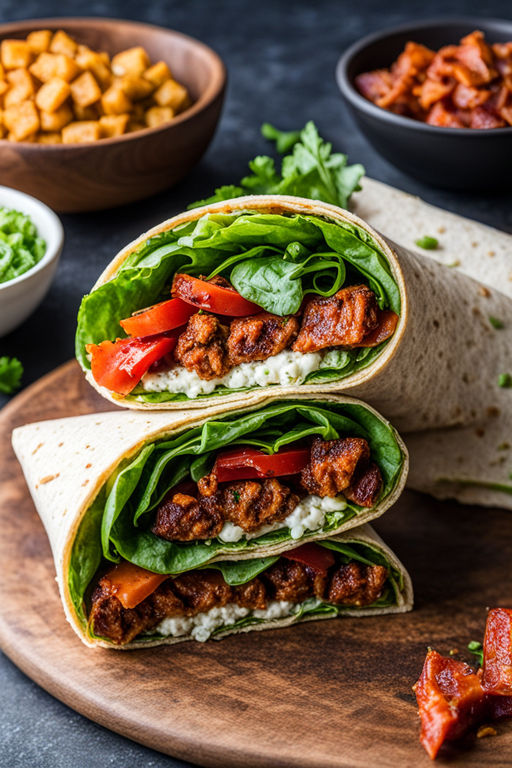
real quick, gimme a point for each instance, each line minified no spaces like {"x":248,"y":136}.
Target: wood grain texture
{"x":333,"y":694}
{"x":110,"y":172}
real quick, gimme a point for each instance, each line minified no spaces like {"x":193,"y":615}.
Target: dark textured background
{"x":281,"y":56}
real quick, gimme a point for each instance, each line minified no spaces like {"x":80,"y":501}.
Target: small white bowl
{"x":20,"y":297}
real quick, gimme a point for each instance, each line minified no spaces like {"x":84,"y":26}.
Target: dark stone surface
{"x":281,"y":57}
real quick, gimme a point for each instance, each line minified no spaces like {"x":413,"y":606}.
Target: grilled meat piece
{"x":293,"y":581}
{"x":365,"y":487}
{"x":183,"y":518}
{"x":202,"y":346}
{"x":121,"y":625}
{"x":259,"y":337}
{"x":333,"y":464}
{"x":342,"y":320}
{"x":251,"y":595}
{"x":202,"y":590}
{"x":357,"y":584}
{"x":253,"y":503}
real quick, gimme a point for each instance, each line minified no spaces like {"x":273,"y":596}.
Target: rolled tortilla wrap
{"x":470,"y":463}
{"x":96,"y":481}
{"x":436,"y":369}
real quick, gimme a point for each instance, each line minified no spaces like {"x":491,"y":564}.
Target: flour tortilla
{"x":440,"y":367}
{"x":67,"y":461}
{"x":463,"y":463}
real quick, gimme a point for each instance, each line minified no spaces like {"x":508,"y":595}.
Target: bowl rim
{"x":211,"y":93}
{"x":53,"y":247}
{"x":360,"y":102}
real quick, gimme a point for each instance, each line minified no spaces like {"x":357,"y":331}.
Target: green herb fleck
{"x":505,"y":380}
{"x":496,"y":323}
{"x":11,"y":371}
{"x":236,"y":496}
{"x":428,"y":242}
{"x":477,"y":649}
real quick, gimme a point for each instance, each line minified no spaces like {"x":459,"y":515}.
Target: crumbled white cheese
{"x":200,"y":627}
{"x":308,"y":515}
{"x":285,"y":368}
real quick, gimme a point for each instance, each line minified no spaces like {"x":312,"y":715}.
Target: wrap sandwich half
{"x":129,"y":500}
{"x":262,"y":294}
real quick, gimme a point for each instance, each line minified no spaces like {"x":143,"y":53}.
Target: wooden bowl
{"x":110,"y":172}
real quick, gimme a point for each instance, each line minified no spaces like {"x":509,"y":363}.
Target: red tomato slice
{"x":216,"y":298}
{"x":159,"y":318}
{"x":388,"y":321}
{"x":318,"y":558}
{"x":132,"y":584}
{"x":249,"y":463}
{"x":120,"y":365}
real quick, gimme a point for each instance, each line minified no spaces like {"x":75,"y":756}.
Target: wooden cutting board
{"x":322,"y":695}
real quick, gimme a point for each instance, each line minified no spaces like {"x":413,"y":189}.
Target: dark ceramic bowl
{"x":454,"y":158}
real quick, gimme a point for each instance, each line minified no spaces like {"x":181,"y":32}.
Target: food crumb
{"x":441,"y":230}
{"x":453,"y":651}
{"x":486,"y":730}
{"x":484,"y":291}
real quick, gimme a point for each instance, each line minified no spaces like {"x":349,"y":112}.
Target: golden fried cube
{"x":30,"y":139}
{"x":115,"y":102}
{"x":135,"y":88}
{"x":22,"y":120}
{"x":81,"y":132}
{"x":21,"y":87}
{"x":52,"y":94}
{"x":63,"y":43}
{"x":158,"y":73}
{"x":49,"y":138}
{"x":104,"y":57}
{"x":87,"y":113}
{"x":133,"y":61}
{"x":55,"y":121}
{"x":171,"y":94}
{"x":87,"y":59}
{"x":113,"y":125}
{"x":156,"y":116}
{"x":3,"y":87}
{"x":85,"y":90}
{"x":39,"y":41}
{"x":134,"y":125}
{"x":48,"y":65}
{"x":15,"y":54}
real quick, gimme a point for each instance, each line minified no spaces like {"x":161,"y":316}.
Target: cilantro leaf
{"x":310,"y":170}
{"x":11,"y":371}
{"x":476,"y":648}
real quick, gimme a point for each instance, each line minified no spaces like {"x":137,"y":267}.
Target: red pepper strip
{"x":120,"y":365}
{"x":388,"y":321}
{"x":215,"y":298}
{"x":497,"y":666}
{"x":450,"y":700}
{"x":249,"y":463}
{"x":132,"y":584}
{"x":316,"y":557}
{"x":159,"y":318}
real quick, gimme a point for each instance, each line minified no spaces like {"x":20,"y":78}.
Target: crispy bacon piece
{"x":450,"y":699}
{"x":333,"y":465}
{"x":202,"y":346}
{"x":497,"y":666}
{"x":259,"y":337}
{"x":344,"y":319}
{"x":453,"y":88}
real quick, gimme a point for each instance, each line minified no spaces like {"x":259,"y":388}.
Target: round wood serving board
{"x":325,"y":694}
